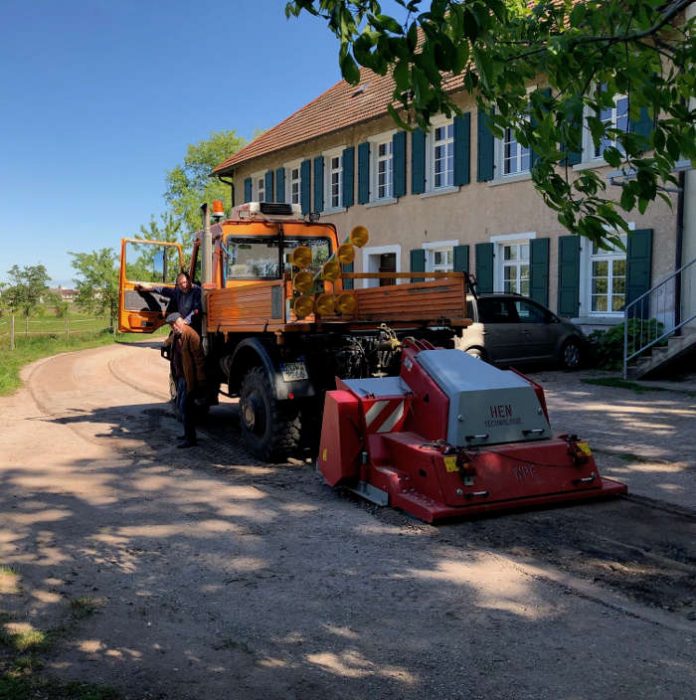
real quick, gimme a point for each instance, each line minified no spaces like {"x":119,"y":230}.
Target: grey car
{"x":511,"y":329}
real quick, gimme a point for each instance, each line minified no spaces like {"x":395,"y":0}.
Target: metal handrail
{"x":654,"y":304}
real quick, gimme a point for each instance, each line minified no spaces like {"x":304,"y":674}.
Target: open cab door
{"x":154,"y":263}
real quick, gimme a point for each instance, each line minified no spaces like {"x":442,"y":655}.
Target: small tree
{"x":97,"y":284}
{"x":189,"y":184}
{"x":28,"y":287}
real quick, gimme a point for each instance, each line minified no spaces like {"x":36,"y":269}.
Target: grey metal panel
{"x":488,"y":406}
{"x":378,"y":386}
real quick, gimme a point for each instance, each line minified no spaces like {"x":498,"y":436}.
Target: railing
{"x":659,"y":313}
{"x":14,"y":329}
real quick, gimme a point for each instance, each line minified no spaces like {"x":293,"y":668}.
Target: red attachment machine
{"x":452,"y":437}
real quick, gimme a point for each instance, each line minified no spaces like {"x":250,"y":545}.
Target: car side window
{"x":497,"y":311}
{"x":530,"y":313}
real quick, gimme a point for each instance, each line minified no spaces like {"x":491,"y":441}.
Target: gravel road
{"x":212,"y":576}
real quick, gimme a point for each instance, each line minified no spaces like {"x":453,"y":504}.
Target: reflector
{"x":326,"y":304}
{"x":331,"y":270}
{"x":301,"y":256}
{"x":345,"y":253}
{"x":346,"y":304}
{"x":303,"y":281}
{"x":359,"y":236}
{"x":303,"y":306}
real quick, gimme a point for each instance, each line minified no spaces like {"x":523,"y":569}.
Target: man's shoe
{"x":186,"y":443}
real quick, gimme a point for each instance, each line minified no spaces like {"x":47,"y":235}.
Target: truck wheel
{"x":271,"y":430}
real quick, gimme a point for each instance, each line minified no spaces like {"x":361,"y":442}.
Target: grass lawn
{"x":48,"y":335}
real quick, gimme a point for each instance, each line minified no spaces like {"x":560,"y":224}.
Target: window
{"x":515,"y":157}
{"x":439,"y":158}
{"x":614,"y":117}
{"x":515,"y":267}
{"x":439,"y":256}
{"x":334,"y":180}
{"x":259,"y":187}
{"x":259,"y":258}
{"x":383,"y":170}
{"x":442,"y":170}
{"x":607,"y":280}
{"x":294,"y":183}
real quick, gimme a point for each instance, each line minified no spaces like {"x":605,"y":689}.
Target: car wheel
{"x":571,"y":354}
{"x":476,"y":353}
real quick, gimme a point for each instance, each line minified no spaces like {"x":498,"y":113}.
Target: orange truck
{"x":285,"y":315}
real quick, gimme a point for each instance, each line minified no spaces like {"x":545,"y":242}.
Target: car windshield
{"x":258,"y":258}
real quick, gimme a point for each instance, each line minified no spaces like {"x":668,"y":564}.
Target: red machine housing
{"x":387,"y":439}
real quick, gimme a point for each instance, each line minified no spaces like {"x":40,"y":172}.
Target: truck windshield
{"x":258,"y":258}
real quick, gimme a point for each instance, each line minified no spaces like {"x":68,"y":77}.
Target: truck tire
{"x":271,"y":429}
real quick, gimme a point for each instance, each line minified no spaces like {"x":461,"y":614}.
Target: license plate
{"x":293,"y":371}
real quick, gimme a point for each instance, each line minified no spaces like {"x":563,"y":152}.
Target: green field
{"x":47,"y":335}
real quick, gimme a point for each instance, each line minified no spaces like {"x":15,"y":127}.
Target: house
{"x":458,"y":198}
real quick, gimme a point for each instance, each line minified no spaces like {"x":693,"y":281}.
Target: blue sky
{"x":99,"y":98}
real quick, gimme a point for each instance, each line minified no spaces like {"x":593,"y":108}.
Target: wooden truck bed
{"x":261,"y":307}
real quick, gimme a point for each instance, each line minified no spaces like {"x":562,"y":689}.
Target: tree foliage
{"x":189,"y":184}
{"x":536,"y":69}
{"x":97,"y":282}
{"x":27,"y":288}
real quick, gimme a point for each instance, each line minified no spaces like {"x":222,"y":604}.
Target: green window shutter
{"x":462,"y":149}
{"x":305,"y":185}
{"x":461,"y":258}
{"x":247,"y":190}
{"x":280,"y":185}
{"x":539,"y":270}
{"x":364,"y":173}
{"x":639,"y":268}
{"x":349,"y":267}
{"x":643,"y":127}
{"x":399,"y":163}
{"x":484,"y":267}
{"x":485,"y":153}
{"x":348,"y":176}
{"x":319,"y":184}
{"x":268,"y":185}
{"x":569,"y":276}
{"x":574,"y":146}
{"x":417,"y":161}
{"x":417,"y":263}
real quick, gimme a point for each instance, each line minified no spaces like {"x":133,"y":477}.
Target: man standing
{"x":185,"y":298}
{"x":188,"y":371}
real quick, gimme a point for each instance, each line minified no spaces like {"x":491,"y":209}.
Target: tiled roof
{"x":339,"y":107}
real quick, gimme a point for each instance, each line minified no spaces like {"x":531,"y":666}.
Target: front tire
{"x":271,"y":429}
{"x":571,"y":354}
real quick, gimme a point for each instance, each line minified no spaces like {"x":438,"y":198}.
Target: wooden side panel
{"x":418,"y":301}
{"x":245,"y":306}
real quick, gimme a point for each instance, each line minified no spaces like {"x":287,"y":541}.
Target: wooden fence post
{"x":12,"y":331}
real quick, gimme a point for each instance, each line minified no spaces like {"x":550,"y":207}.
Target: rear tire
{"x":571,"y":354}
{"x":270,"y":428}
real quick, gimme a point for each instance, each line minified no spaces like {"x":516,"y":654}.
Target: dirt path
{"x":216,"y":577}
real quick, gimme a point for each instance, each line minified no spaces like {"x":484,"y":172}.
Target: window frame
{"x":589,"y":151}
{"x":430,"y":160}
{"x":385,"y":138}
{"x":587,"y":257}
{"x":258,"y":186}
{"x":289,"y":167}
{"x":328,"y":156}
{"x":437,"y":247}
{"x":500,"y":242}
